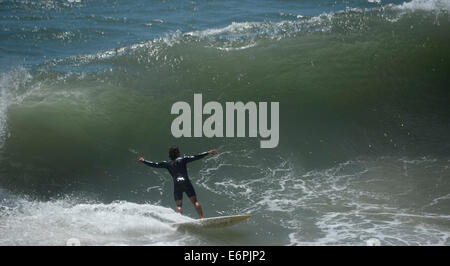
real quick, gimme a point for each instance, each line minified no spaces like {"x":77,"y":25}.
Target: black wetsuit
{"x":177,"y":168}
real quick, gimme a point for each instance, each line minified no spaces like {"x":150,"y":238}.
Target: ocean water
{"x":86,"y":87}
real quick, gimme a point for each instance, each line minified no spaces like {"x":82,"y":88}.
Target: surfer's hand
{"x":141,"y":159}
{"x":212,"y":152}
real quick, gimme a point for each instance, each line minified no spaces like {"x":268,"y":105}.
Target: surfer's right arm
{"x":153,"y":164}
{"x":198,"y":156}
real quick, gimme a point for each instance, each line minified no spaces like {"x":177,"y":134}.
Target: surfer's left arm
{"x":199,"y":156}
{"x":153,"y":164}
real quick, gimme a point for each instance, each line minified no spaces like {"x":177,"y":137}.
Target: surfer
{"x":177,"y":168}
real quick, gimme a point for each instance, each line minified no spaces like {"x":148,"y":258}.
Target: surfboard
{"x":214,"y":222}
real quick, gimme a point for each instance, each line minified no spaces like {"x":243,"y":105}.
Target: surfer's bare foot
{"x":179,"y":204}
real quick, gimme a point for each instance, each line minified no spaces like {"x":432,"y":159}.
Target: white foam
{"x":352,"y":203}
{"x":438,"y":200}
{"x":228,"y":49}
{"x":425,"y":5}
{"x":117,"y":223}
{"x":373,"y":242}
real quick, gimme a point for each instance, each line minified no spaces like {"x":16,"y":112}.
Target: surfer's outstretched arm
{"x":198,"y":156}
{"x":153,"y":164}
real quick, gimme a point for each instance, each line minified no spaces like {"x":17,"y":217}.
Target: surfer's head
{"x":174,"y":152}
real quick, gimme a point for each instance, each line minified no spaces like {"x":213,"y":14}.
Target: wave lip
{"x":424,"y":5}
{"x":244,"y":35}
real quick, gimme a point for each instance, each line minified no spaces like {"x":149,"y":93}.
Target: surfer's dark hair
{"x":174,"y":152}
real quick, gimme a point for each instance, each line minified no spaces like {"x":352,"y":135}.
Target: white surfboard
{"x":214,"y":222}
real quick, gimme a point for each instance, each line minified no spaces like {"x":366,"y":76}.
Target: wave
{"x":360,"y":82}
{"x":350,"y":20}
{"x":58,"y":222}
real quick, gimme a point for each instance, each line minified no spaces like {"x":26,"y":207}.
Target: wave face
{"x":364,"y":128}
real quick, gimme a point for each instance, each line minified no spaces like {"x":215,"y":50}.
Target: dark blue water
{"x":33,"y":32}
